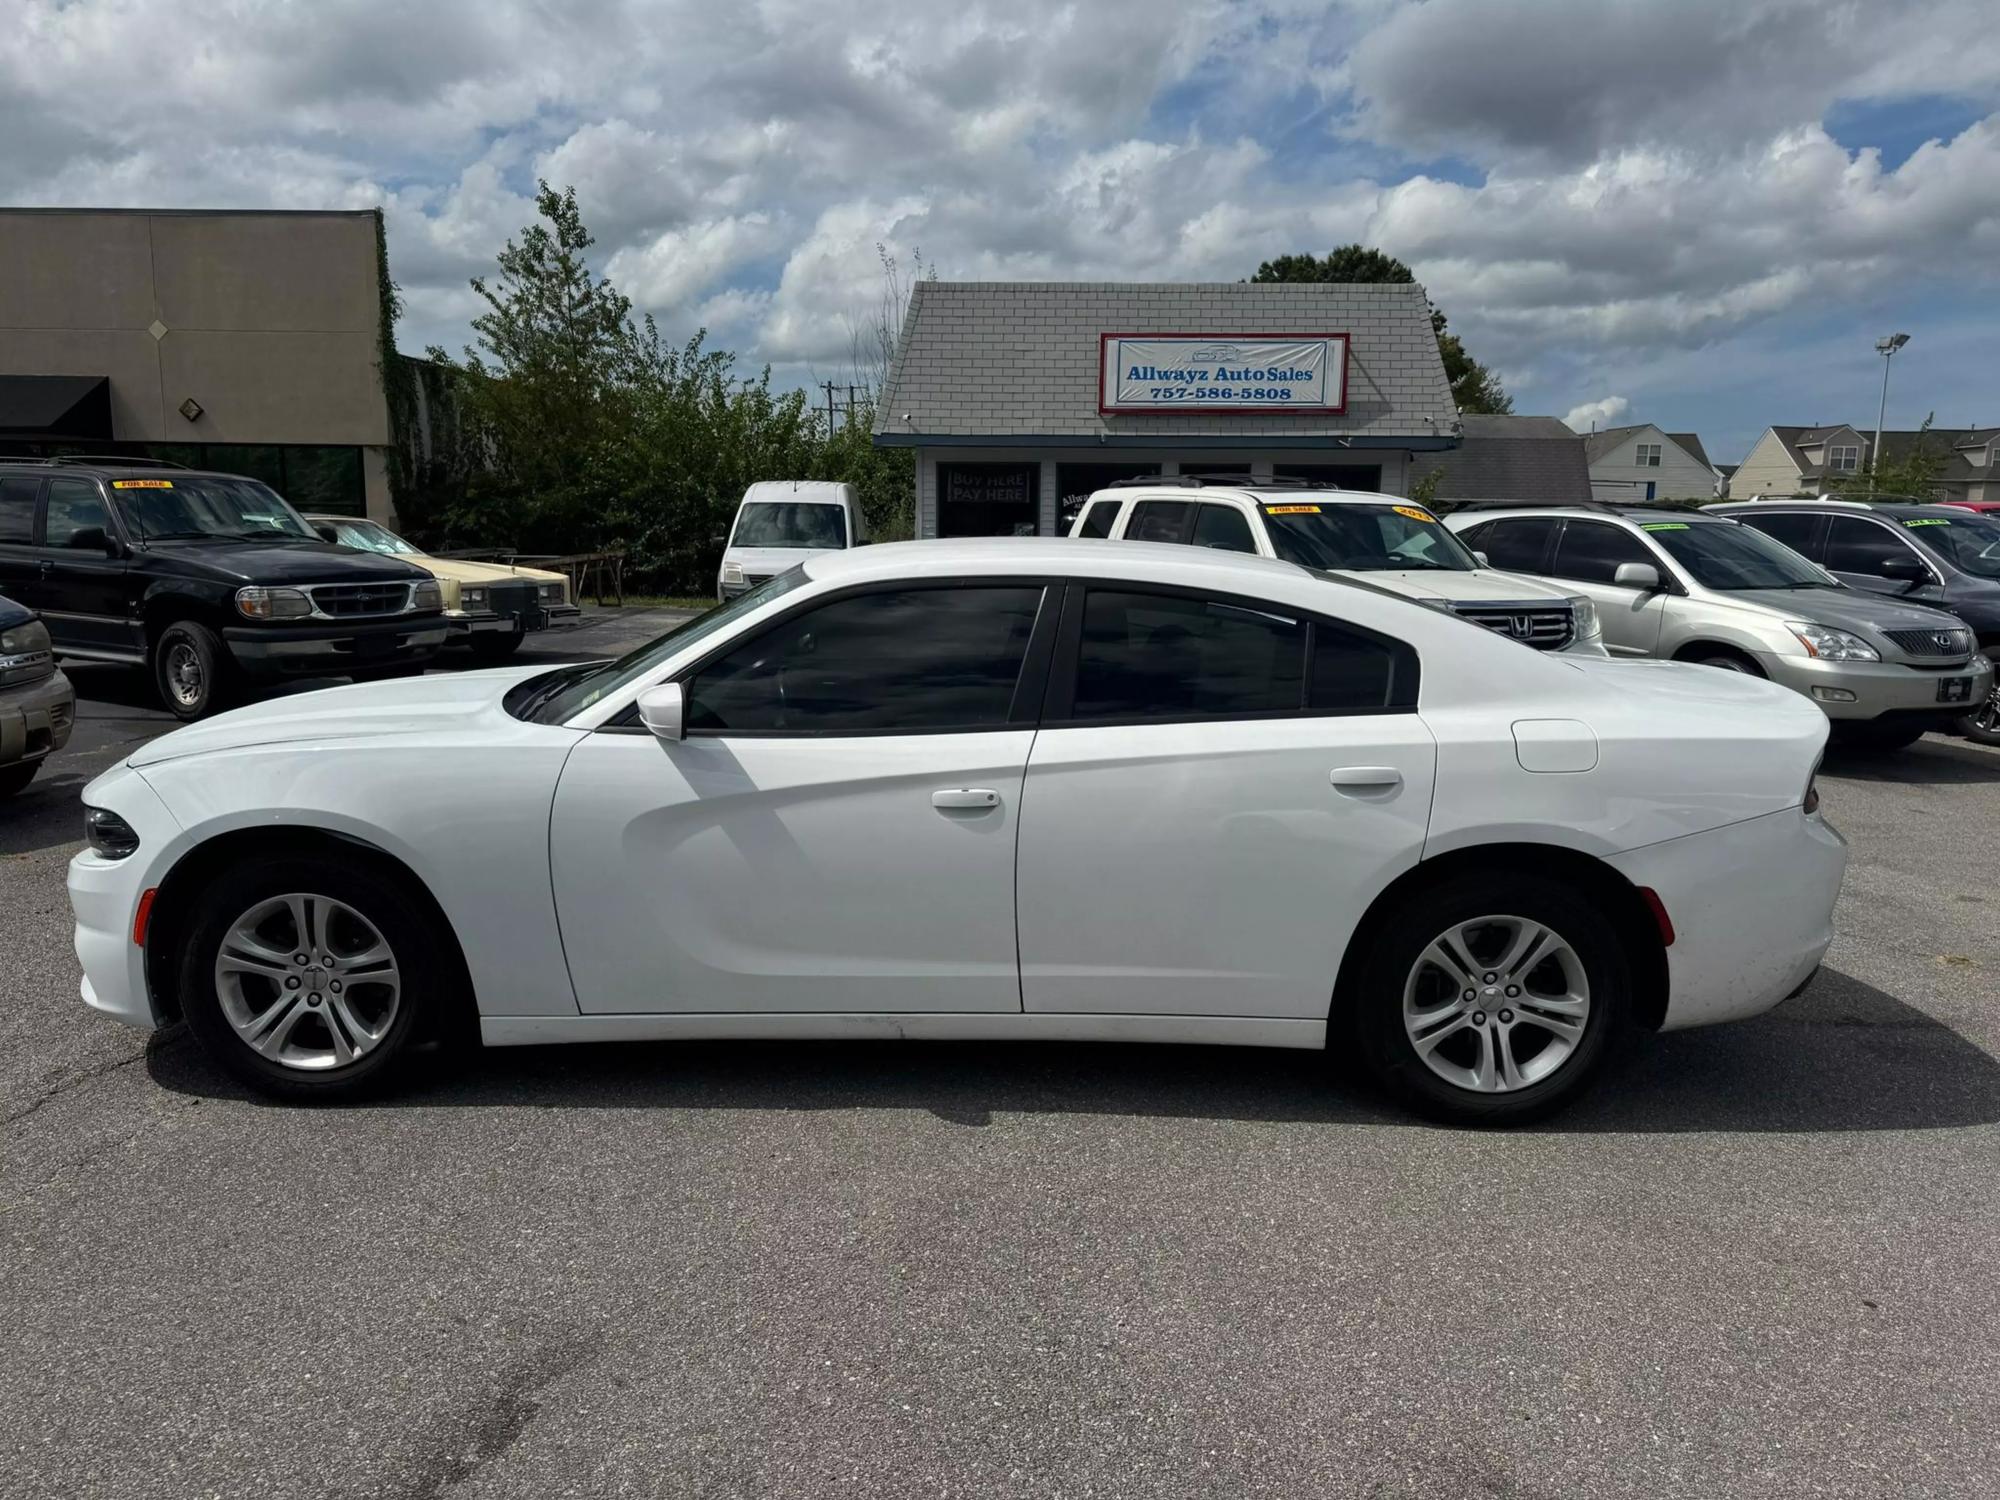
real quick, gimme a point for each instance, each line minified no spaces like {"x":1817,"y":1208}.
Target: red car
{"x":1984,"y":507}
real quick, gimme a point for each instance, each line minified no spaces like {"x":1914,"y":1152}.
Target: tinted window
{"x":1099,"y":519}
{"x":1795,"y":531}
{"x":1590,"y":551}
{"x":1156,"y":656}
{"x":910,"y":660}
{"x":1721,"y":556}
{"x":1972,"y":541}
{"x":17,"y":509}
{"x":1222,"y":527}
{"x":1516,"y":546}
{"x":1157,"y":521}
{"x":1355,"y":673}
{"x":74,"y":507}
{"x":1857,"y":546}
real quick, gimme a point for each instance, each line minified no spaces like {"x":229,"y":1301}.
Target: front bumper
{"x":1879,"y":688}
{"x":464,"y":625}
{"x":36,"y":718}
{"x":104,"y":896}
{"x":333,"y":650}
{"x":1752,"y":909}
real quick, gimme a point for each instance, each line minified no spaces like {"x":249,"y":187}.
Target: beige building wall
{"x":1767,"y":470}
{"x":270,"y":321}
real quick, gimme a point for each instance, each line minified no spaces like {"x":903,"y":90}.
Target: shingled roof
{"x":1950,"y":445}
{"x":1601,"y":442}
{"x":1512,"y":458}
{"x":1020,"y":359}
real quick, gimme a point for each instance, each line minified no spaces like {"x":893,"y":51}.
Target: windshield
{"x":366,"y":536}
{"x":1367,"y":538}
{"x":790,"y":524}
{"x":562,"y":695}
{"x":207,"y":505}
{"x":1973,"y":543}
{"x":1725,"y":556}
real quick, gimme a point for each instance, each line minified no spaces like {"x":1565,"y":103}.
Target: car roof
{"x":961,"y":557}
{"x":1637,"y":514}
{"x":1256,"y":494}
{"x":98,"y":467}
{"x":803,"y":491}
{"x":1834,"y":507}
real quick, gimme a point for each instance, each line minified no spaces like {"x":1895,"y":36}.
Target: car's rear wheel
{"x":1493,"y":1000}
{"x":190,"y":669}
{"x":16,"y":778}
{"x":313,"y":977}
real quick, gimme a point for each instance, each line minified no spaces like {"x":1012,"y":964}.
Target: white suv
{"x":1385,"y":540}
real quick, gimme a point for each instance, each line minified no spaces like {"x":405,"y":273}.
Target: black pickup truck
{"x":208,"y":580}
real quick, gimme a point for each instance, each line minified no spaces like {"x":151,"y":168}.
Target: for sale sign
{"x":1222,"y":372}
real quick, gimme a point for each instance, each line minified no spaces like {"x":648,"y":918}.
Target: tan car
{"x":491,"y":607}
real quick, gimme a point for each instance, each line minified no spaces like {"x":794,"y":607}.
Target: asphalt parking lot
{"x":1757,"y":1262}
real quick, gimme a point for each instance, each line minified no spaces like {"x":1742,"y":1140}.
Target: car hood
{"x":482,"y":572}
{"x":1479,"y":586}
{"x":1845,"y":609}
{"x":333,"y":716}
{"x":251,"y":561}
{"x":773,"y":560}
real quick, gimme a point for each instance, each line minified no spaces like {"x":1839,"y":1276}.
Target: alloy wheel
{"x":1496,"y":1004}
{"x":183,"y":674}
{"x":1987,"y":718}
{"x":307,"y":982}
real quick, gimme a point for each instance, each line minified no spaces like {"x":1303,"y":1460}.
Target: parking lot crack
{"x":77,"y":1080}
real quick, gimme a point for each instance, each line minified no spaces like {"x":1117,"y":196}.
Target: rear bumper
{"x":1752,"y":909}
{"x":1879,"y":688}
{"x":331,"y":650}
{"x":36,"y":718}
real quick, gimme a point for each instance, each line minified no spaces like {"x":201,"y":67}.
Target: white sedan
{"x":1053,"y":789}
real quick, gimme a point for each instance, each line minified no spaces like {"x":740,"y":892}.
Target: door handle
{"x":978,"y":798}
{"x":1365,"y":778}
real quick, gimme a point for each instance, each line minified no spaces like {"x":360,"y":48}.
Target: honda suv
{"x":1693,"y":587}
{"x":205,"y":579}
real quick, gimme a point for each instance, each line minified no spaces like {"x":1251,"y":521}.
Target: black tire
{"x":1982,"y":726}
{"x":428,"y":1003}
{"x":493,"y":646}
{"x":1728,"y":661}
{"x":192,"y":670}
{"x":16,"y":778}
{"x":1395,"y":949}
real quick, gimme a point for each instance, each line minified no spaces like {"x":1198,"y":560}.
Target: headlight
{"x":554,"y":593}
{"x":1584,"y":610}
{"x":471,"y":599}
{"x":427,"y":595}
{"x":1831,"y":645}
{"x":732,"y":572}
{"x":25,"y":652}
{"x":109,"y":836}
{"x":272,"y":604}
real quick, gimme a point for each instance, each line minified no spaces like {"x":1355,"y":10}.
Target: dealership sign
{"x":1222,"y":372}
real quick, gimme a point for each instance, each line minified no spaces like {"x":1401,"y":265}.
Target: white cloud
{"x":1606,"y":411}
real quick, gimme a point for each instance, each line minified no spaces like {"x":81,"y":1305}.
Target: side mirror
{"x":663,"y":710}
{"x":90,"y":539}
{"x":1904,"y":570}
{"x":1637,"y":576}
{"x":1482,"y":559}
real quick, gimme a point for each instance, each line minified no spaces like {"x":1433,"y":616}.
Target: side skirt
{"x":969,"y":1026}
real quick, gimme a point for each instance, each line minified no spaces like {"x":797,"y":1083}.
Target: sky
{"x":1699,"y":213}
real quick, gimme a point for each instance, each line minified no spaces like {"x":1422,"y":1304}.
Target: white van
{"x":782,"y":522}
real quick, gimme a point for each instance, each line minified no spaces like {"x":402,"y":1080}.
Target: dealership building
{"x":1020,"y":398}
{"x":249,"y":342}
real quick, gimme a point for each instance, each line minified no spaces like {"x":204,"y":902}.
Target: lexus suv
{"x":1383,"y":540}
{"x":1695,"y":587}
{"x":207,"y":580}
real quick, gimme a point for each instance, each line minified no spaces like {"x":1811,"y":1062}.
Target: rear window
{"x":17,"y":509}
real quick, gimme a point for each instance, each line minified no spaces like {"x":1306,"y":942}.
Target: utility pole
{"x":1886,"y":347}
{"x":828,"y":387}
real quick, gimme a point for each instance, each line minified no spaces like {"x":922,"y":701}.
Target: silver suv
{"x":1692,"y":587}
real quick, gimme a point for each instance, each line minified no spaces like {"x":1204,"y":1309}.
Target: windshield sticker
{"x":1664,"y":526}
{"x":1291,"y":510}
{"x":142,"y":484}
{"x":1927,"y":521}
{"x":1414,"y":514}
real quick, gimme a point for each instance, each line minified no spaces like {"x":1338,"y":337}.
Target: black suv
{"x":203,"y":578}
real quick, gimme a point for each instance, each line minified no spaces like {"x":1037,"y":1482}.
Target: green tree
{"x":1914,"y":473}
{"x":1474,"y":388}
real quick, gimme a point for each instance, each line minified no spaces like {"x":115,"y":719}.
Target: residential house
{"x":1645,"y":463}
{"x":1510,"y":458}
{"x":1824,"y":460}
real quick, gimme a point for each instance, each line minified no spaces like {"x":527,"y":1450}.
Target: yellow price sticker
{"x":142,"y":484}
{"x":1413,"y":513}
{"x":1291,"y":510}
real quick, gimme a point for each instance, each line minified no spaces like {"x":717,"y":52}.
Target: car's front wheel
{"x":313,"y":977}
{"x":1493,"y":1001}
{"x":1982,"y":725}
{"x":190,"y":669}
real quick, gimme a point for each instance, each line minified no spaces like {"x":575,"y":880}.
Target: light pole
{"x":1887,"y":349}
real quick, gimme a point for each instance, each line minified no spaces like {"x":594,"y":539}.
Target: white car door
{"x":1220,"y":790}
{"x":836,"y":832}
